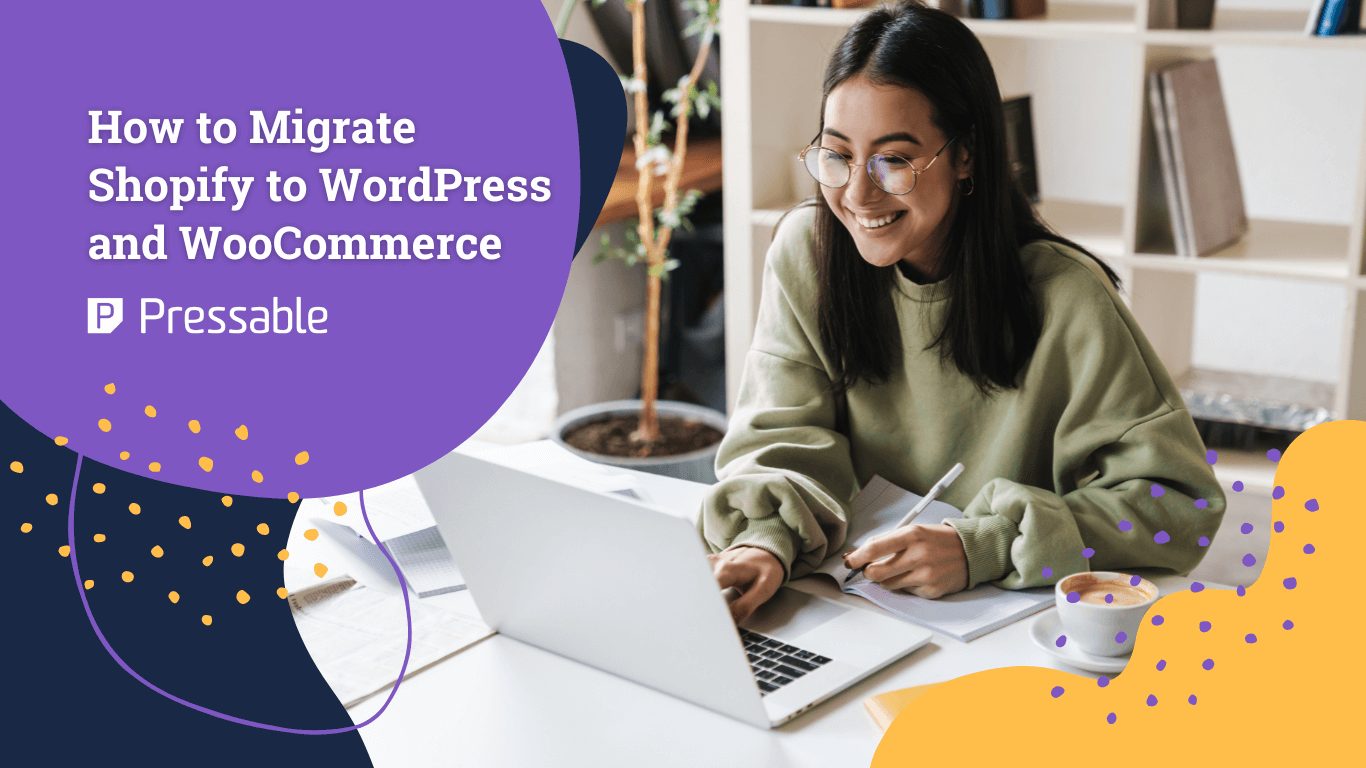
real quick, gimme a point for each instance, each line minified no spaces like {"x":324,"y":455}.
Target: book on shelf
{"x":1028,"y":9}
{"x":1019,"y":124}
{"x":1181,"y":14}
{"x":1199,"y":167}
{"x":1006,"y":9}
{"x":1328,"y":18}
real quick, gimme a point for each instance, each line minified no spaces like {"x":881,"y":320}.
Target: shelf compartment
{"x":1274,"y":248}
{"x":1063,"y":20}
{"x":1247,"y":26}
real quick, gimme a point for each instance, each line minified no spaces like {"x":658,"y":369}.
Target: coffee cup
{"x":1101,"y":611}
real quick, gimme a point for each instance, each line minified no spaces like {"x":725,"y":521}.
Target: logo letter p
{"x":103,"y":315}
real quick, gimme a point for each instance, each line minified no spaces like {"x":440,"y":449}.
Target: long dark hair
{"x":991,"y":322}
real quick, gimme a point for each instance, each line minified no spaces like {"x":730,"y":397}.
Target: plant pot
{"x":697,"y":465}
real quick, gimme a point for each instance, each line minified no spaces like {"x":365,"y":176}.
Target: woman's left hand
{"x":925,"y":560}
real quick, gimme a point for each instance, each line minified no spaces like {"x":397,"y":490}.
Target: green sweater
{"x":1094,"y":450}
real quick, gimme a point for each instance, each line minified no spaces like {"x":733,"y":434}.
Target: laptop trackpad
{"x":790,"y":614}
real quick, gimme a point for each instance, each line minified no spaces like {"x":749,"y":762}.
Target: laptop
{"x":624,"y":587}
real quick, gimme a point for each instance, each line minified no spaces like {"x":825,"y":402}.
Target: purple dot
{"x":1287,"y":624}
{"x":1061,"y":641}
{"x":1290,"y":583}
{"x":1121,"y":636}
{"x":1157,"y":620}
{"x":1197,"y":586}
{"x":1110,"y":718}
{"x":1057,"y":691}
{"x":1308,"y":549}
{"x":1135,"y":581}
{"x":1277,"y":492}
{"x":1205,"y":626}
{"x":1047,"y":572}
{"x":1250,"y":638}
{"x":1312,"y":505}
{"x":1073,"y":597}
{"x":1245,"y":529}
{"x":1211,"y":457}
{"x":1191,"y":699}
{"x":1152,"y":700}
{"x":1273,"y":454}
{"x":1161,"y":664}
{"x":1102,"y":681}
{"x":1249,"y":560}
{"x":1088,"y":553}
{"x":1242,"y":590}
{"x":1201,"y":503}
{"x":1278,"y":526}
{"x":1203,"y":541}
{"x":1126,"y":526}
{"x":1208,"y":664}
{"x":1158,"y":490}
{"x":1109,"y":598}
{"x":1237,"y":486}
{"x":1162,"y":537}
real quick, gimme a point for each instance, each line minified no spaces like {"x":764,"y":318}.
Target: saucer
{"x":1045,"y":631}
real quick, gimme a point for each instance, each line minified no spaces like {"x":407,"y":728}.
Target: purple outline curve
{"x":94,"y":625}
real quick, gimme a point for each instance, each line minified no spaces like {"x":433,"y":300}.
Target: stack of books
{"x":1334,"y":17}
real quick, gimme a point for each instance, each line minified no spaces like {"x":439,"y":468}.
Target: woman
{"x":920,"y":314}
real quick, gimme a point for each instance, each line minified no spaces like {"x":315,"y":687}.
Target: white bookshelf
{"x":773,"y":58}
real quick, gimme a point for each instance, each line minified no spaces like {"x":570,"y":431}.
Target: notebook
{"x":427,"y":564}
{"x":964,"y":616}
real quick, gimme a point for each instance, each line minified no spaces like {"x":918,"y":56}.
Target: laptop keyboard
{"x":776,"y":663}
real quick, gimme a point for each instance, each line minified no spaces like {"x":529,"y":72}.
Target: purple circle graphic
{"x":1278,"y":492}
{"x":1157,"y":490}
{"x":1211,"y":456}
{"x":1109,"y":598}
{"x":1061,"y":641}
{"x":1197,"y":586}
{"x":1102,"y":681}
{"x":1208,"y":664}
{"x":1152,"y":700}
{"x":1237,"y":486}
{"x":1135,"y":580}
{"x":418,"y":352}
{"x":1157,"y":620}
{"x":1121,"y":636}
{"x":1245,"y":528}
{"x":1250,"y":638}
{"x":1162,"y":537}
{"x":1161,"y":664}
{"x":1312,"y":505}
{"x":1278,"y":526}
{"x":1287,"y":624}
{"x":1203,"y":541}
{"x":1249,"y":560}
{"x":1047,"y":572}
{"x":1290,"y":583}
{"x":1201,"y":503}
{"x":1126,"y":526}
{"x":1205,"y":626}
{"x":1073,"y":597}
{"x":1088,"y":553}
{"x":1242,"y":590}
{"x":1274,"y":454}
{"x":1110,"y":718}
{"x":1191,"y":699}
{"x":1056,"y":692}
{"x":1308,"y":549}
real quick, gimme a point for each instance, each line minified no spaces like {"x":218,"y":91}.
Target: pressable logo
{"x":103,"y":315}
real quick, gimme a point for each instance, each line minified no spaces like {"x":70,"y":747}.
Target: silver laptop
{"x":626,"y":588}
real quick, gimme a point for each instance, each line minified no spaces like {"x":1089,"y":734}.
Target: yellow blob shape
{"x":206,"y":620}
{"x":104,"y":425}
{"x":242,"y":597}
{"x":238,"y":550}
{"x":109,"y":388}
{"x":184,"y":522}
{"x":157,"y":551}
{"x":194,"y":426}
{"x":227,"y":501}
{"x":16,"y":467}
{"x":283,"y":555}
{"x":64,"y":551}
{"x":311,"y":534}
{"x":320,"y":569}
{"x":206,"y":463}
{"x":241,"y":431}
{"x":339,"y":508}
{"x":151,"y":411}
{"x":154,"y":466}
{"x":97,"y":487}
{"x":25,"y":527}
{"x":89,"y":583}
{"x":207,"y":561}
{"x":127,"y":577}
{"x":99,"y":538}
{"x":136,"y":509}
{"x":301,"y":458}
{"x":173,"y":596}
{"x":257,"y":477}
{"x":124,"y":455}
{"x":263,"y":529}
{"x":60,"y":440}
{"x":293,"y":497}
{"x":282,"y":593}
{"x":51,"y":499}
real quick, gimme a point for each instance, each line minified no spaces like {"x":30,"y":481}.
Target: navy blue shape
{"x":600,"y":108}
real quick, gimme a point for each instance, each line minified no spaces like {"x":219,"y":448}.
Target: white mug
{"x":1099,"y":627}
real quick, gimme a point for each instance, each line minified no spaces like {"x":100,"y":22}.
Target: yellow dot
{"x":263,"y":529}
{"x":64,"y":551}
{"x":60,"y":440}
{"x":97,"y":487}
{"x":293,"y":497}
{"x":51,"y":499}
{"x":151,"y":411}
{"x":283,"y":554}
{"x":173,"y":596}
{"x":25,"y":527}
{"x":257,"y":477}
{"x":206,"y":620}
{"x":227,"y":501}
{"x":104,"y":425}
{"x":136,"y":509}
{"x":206,"y":463}
{"x":301,"y":458}
{"x":194,"y":426}
{"x":99,"y":538}
{"x":157,"y":551}
{"x":16,"y":467}
{"x":238,"y":550}
{"x":184,"y":522}
{"x":241,"y":431}
{"x":311,"y":534}
{"x":207,"y":561}
{"x":109,"y":388}
{"x":339,"y":508}
{"x":124,"y":455}
{"x":320,"y":569}
{"x":89,"y":583}
{"x":154,"y":466}
{"x":282,"y":593}
{"x":127,"y":577}
{"x":243,"y":597}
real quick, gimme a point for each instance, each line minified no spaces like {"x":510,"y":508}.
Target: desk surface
{"x":504,"y":703}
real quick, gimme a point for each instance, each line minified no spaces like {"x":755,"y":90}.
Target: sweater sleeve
{"x":1132,"y":487}
{"x":785,"y":475}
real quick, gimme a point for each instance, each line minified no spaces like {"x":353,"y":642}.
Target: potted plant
{"x":669,"y":438}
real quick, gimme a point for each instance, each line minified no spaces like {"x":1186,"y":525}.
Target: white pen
{"x":935,"y":490}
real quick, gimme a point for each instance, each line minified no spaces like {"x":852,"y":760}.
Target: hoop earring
{"x":972,"y":186}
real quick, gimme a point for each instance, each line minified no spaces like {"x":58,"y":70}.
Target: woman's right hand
{"x":756,"y":573}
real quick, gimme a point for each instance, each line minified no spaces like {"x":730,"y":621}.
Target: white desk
{"x":503,"y":703}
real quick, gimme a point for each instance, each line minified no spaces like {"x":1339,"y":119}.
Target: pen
{"x":935,"y":490}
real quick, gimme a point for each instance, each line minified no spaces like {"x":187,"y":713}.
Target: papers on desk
{"x":963,"y":616}
{"x":357,"y":635}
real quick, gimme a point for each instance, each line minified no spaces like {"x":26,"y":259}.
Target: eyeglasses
{"x":892,"y":173}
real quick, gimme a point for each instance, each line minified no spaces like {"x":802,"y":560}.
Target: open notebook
{"x":964,"y":616}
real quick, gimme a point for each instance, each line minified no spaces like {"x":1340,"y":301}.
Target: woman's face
{"x":863,"y":118}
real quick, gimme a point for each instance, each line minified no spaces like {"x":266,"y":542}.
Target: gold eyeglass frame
{"x":868,"y":166}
